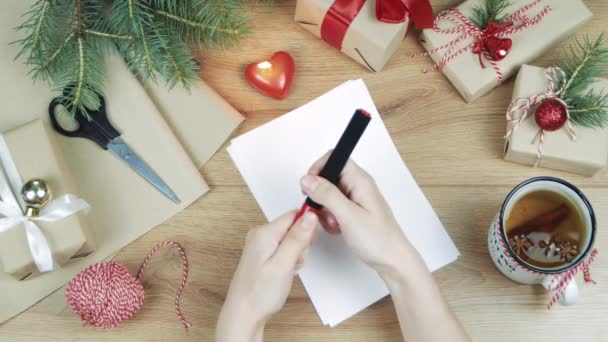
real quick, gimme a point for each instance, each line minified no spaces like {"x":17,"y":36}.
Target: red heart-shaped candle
{"x":272,"y":77}
{"x":498,"y":48}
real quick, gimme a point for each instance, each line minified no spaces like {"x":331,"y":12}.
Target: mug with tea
{"x":544,"y":234}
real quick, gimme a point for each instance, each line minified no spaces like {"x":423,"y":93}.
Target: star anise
{"x":520,"y":244}
{"x":568,"y":251}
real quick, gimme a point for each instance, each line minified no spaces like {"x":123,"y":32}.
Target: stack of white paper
{"x":273,"y":158}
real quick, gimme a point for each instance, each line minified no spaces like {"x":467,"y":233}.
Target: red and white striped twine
{"x":560,"y":281}
{"x":182,"y":285}
{"x":468,"y":30}
{"x":553,"y":92}
{"x":106,"y":294}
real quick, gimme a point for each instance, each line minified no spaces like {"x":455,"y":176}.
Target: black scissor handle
{"x":96,"y":127}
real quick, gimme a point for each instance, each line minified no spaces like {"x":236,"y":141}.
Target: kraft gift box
{"x":368,"y":40}
{"x":35,"y":155}
{"x":465,"y":72}
{"x":587,"y":155}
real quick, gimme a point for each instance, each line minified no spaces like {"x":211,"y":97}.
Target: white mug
{"x":560,"y":281}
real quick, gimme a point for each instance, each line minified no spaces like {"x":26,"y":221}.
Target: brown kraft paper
{"x":201,"y":119}
{"x":465,"y":72}
{"x":36,"y":155}
{"x":587,"y":155}
{"x":368,"y":41}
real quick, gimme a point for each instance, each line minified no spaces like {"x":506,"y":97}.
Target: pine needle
{"x":490,"y":11}
{"x":583,"y":62}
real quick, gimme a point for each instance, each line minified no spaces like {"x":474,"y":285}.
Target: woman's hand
{"x":263,"y":278}
{"x":356,"y":208}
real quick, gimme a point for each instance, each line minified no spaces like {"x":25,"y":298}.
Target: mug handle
{"x":570,"y":296}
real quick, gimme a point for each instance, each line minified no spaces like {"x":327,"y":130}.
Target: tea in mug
{"x":545,"y":229}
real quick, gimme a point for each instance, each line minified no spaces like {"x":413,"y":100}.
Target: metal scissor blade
{"x":124,"y":152}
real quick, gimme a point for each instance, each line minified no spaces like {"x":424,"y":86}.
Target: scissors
{"x":98,"y":128}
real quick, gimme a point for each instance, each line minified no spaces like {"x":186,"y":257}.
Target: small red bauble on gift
{"x":551,"y":115}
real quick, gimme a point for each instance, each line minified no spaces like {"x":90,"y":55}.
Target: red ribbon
{"x":341,"y":14}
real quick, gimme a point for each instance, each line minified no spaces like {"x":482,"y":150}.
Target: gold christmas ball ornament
{"x":36,"y":194}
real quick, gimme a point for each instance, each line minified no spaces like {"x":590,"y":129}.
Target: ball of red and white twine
{"x":524,"y":105}
{"x":105,"y":294}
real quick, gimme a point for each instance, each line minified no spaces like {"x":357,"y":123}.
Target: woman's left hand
{"x":263,"y":278}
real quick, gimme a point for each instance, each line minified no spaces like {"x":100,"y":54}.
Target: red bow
{"x":342,"y":13}
{"x":396,"y":11}
{"x":498,"y":48}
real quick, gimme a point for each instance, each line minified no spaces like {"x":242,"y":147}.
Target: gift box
{"x":536,"y":25}
{"x":586,"y":155}
{"x":369,"y":31}
{"x":34,"y":155}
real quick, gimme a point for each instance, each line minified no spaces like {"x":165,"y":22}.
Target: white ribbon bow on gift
{"x":11,"y":214}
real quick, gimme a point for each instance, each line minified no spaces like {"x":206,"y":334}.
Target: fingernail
{"x":309,"y":183}
{"x":309,"y":221}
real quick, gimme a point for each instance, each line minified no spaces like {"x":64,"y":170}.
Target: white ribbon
{"x":11,"y":214}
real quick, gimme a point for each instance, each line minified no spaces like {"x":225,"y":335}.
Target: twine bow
{"x":11,"y":214}
{"x":467,"y":30}
{"x":560,"y":281}
{"x":553,"y":92}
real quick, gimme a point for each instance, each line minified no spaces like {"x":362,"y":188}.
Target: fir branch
{"x":65,"y":40}
{"x":45,"y":65}
{"x":40,"y":20}
{"x":490,"y":11}
{"x":583,"y":62}
{"x":197,"y":25}
{"x":79,"y":83}
{"x":108,"y":35}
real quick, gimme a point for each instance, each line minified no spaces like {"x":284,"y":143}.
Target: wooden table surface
{"x":453,"y":149}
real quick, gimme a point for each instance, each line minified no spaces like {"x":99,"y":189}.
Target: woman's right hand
{"x":356,"y":208}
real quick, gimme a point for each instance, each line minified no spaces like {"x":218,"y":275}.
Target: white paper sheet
{"x":273,"y":158}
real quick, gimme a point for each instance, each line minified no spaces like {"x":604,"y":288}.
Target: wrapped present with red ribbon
{"x":369,"y":31}
{"x":477,"y":58}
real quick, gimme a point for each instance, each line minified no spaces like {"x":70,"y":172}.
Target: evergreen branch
{"x":586,"y":110}
{"x":195,"y":24}
{"x":65,"y":40}
{"x":76,"y":100}
{"x":41,"y":19}
{"x":490,"y":11}
{"x":148,"y":56}
{"x":589,"y":58}
{"x":57,"y":52}
{"x":583,"y":63}
{"x":108,"y":35}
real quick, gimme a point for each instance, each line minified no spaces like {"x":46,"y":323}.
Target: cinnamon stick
{"x":545,"y":223}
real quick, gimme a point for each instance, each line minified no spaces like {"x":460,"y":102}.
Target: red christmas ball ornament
{"x":551,"y":115}
{"x":498,"y":48}
{"x":272,"y":77}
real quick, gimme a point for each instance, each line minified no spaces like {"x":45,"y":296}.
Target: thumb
{"x":325,"y":193}
{"x":298,"y":238}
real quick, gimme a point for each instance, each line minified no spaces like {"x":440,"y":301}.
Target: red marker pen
{"x":339,"y":156}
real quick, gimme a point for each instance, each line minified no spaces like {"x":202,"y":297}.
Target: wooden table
{"x":454,"y":152}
